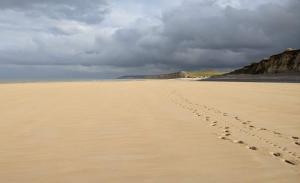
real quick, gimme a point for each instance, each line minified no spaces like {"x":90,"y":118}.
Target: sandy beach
{"x":149,"y":131}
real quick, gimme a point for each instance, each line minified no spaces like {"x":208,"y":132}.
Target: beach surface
{"x":149,"y":131}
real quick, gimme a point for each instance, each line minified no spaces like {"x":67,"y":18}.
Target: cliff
{"x":283,"y":67}
{"x":286,"y":62}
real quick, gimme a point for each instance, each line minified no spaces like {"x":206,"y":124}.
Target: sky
{"x":75,"y":39}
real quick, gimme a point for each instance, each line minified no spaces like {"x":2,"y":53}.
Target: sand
{"x":149,"y":131}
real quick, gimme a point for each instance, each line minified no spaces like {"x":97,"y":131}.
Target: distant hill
{"x":175,"y":75}
{"x":205,"y":73}
{"x":181,"y":74}
{"x":283,"y":67}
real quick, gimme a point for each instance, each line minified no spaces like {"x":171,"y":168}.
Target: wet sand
{"x":149,"y":131}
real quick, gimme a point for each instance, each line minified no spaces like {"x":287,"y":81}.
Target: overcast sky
{"x":48,"y":39}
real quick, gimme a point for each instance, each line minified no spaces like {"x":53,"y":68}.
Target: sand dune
{"x":149,"y":131}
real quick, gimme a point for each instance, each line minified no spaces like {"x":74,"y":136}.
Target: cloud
{"x":94,"y":38}
{"x":89,"y":11}
{"x":206,"y":34}
{"x":240,"y":32}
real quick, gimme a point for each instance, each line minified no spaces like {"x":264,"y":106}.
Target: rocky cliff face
{"x":286,"y":62}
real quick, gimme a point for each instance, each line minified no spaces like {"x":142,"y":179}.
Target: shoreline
{"x":275,"y":78}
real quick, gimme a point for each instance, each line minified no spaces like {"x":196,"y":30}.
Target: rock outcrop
{"x":286,"y":62}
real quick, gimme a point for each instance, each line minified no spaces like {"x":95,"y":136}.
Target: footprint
{"x":263,"y":129}
{"x":227,"y":134}
{"x":297,"y":143}
{"x":226,"y":127}
{"x":276,"y":133}
{"x":252,"y":148}
{"x":226,"y":131}
{"x":276,"y":154}
{"x":223,"y":138}
{"x":295,"y":138}
{"x":238,"y":142}
{"x":289,"y":162}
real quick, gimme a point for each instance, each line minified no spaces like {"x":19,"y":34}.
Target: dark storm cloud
{"x":198,"y":34}
{"x":205,"y":35}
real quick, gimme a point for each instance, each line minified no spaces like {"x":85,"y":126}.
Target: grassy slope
{"x":197,"y":74}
